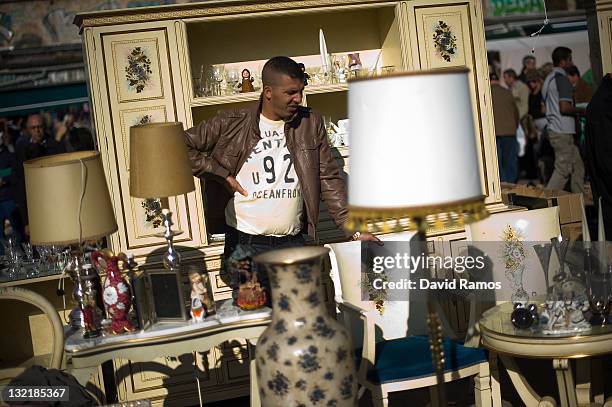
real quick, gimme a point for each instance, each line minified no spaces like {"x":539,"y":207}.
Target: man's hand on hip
{"x":365,"y":236}
{"x":235,"y":186}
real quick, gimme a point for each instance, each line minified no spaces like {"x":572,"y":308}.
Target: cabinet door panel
{"x":140,"y":91}
{"x":164,"y":376}
{"x":605,"y":39}
{"x":444,"y":36}
{"x":451,"y":34}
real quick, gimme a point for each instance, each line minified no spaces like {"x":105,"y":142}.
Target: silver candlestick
{"x":168,"y":298}
{"x":172,"y":258}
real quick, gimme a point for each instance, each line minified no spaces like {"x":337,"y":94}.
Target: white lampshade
{"x":413,"y":148}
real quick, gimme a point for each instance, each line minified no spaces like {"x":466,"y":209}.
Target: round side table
{"x":507,"y":342}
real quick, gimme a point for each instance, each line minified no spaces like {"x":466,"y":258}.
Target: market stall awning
{"x":23,"y":101}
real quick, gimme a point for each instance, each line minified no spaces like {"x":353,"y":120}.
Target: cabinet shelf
{"x":224,"y":99}
{"x":27,"y":281}
{"x":252,"y":96}
{"x":331,"y":88}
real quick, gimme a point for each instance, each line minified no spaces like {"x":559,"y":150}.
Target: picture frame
{"x":167,"y":295}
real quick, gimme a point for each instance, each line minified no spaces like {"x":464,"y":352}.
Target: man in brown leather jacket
{"x":276,"y":162}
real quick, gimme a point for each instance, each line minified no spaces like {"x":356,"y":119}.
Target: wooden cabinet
{"x":146,"y":65}
{"x":604,"y":20}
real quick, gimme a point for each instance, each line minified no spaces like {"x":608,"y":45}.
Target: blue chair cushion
{"x":410,"y":358}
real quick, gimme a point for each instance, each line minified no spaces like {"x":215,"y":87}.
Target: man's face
{"x":508,"y":80}
{"x":573,"y":79}
{"x":533,"y":84}
{"x":35,"y":128}
{"x":530,"y":64}
{"x":566,"y":63}
{"x":284,"y":97}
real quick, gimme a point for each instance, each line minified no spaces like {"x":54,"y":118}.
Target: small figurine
{"x":565,"y":316}
{"x":354,"y":63}
{"x":247,"y":82}
{"x":553,"y":312}
{"x":306,"y":76}
{"x":575,"y":315}
{"x":201,"y":303}
{"x":117,"y":297}
{"x":248,"y":292}
{"x":340,"y":72}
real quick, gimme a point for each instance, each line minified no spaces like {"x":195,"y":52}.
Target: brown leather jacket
{"x":220,"y":146}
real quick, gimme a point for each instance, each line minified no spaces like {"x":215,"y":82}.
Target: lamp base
{"x":76,"y":318}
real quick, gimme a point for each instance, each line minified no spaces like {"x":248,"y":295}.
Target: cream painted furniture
{"x":34,"y":336}
{"x":533,"y":227}
{"x":393,"y":342}
{"x":143,"y":63}
{"x":168,"y":339}
{"x":503,"y":339}
{"x":57,"y":333}
{"x":604,"y":24}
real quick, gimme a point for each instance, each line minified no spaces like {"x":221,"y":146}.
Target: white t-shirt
{"x":274,"y":203}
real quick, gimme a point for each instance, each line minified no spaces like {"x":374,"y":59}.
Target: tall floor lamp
{"x":414,"y":162}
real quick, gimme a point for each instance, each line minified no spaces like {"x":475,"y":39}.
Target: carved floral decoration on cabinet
{"x":139,"y":67}
{"x":153,"y":211}
{"x":445,"y":41}
{"x":138,"y":71}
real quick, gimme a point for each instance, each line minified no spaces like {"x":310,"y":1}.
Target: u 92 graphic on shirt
{"x":35,"y":393}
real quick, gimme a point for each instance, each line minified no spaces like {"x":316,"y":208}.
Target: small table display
{"x":505,"y":340}
{"x":165,"y":339}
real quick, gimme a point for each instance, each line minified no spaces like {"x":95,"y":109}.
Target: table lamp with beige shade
{"x":414,"y":162}
{"x":160,"y":168}
{"x":68,"y":204}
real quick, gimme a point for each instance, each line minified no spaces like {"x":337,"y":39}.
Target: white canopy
{"x":512,"y":50}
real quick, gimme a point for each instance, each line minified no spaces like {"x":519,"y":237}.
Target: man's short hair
{"x":280,"y":65}
{"x":511,"y":73}
{"x":533,"y":75}
{"x":561,"y":54}
{"x":528,"y":58}
{"x":572,"y":71}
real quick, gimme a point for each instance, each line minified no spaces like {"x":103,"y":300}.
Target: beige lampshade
{"x":159,"y":165}
{"x":413,"y":151}
{"x":54,"y":186}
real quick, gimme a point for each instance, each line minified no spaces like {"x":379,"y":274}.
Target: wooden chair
{"x":57,"y":331}
{"x":538,"y":225}
{"x":393,"y":347}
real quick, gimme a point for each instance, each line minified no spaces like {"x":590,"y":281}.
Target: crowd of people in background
{"x":24,"y":138}
{"x":539,"y":121}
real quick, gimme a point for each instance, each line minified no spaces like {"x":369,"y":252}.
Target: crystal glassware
{"x":599,"y":291}
{"x":13,"y":258}
{"x":233,"y":77}
{"x":218,"y":75}
{"x":543,"y":252}
{"x":560,"y":247}
{"x":31,"y":263}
